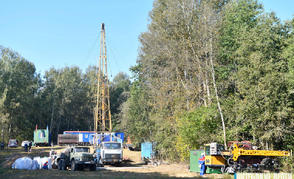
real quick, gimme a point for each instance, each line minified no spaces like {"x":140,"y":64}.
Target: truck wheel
{"x":100,"y":163}
{"x":117,"y":164}
{"x":92,"y":167}
{"x":223,"y":169}
{"x":81,"y":167}
{"x":63,"y":165}
{"x":73,"y":165}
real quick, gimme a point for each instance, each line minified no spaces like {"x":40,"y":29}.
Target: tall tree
{"x":19,"y":85}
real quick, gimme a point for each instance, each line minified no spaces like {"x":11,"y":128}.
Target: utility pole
{"x":102,"y":115}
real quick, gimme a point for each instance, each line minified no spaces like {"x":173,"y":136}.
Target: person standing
{"x":201,"y":163}
{"x":30,"y":146}
{"x":26,"y":147}
{"x":2,"y":145}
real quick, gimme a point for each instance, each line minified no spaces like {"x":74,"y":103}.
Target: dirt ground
{"x":132,"y":167}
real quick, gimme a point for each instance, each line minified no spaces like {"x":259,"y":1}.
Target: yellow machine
{"x":213,"y":157}
{"x":237,"y":152}
{"x":241,"y":157}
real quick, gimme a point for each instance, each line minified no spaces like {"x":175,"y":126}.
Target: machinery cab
{"x":213,"y":155}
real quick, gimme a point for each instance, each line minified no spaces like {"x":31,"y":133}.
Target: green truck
{"x":76,"y":158}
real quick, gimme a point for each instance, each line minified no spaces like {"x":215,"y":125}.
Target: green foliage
{"x":193,"y":128}
{"x":65,"y":92}
{"x":288,"y":164}
{"x":120,"y":91}
{"x":135,"y":118}
{"x":251,"y":52}
{"x":172,"y":99}
{"x":64,"y":100}
{"x":18,"y":89}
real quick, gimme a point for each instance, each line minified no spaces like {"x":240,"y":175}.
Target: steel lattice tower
{"x":102,"y":115}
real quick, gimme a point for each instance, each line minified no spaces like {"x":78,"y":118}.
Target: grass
{"x":7,"y":157}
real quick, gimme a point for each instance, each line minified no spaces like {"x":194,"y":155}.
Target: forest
{"x":206,"y":71}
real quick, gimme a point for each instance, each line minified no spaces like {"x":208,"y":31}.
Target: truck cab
{"x":110,"y":153}
{"x":76,"y":158}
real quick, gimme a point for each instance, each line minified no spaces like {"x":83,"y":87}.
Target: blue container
{"x":87,"y":137}
{"x":147,"y":150}
{"x":103,"y":138}
{"x":91,"y":138}
{"x":120,"y":135}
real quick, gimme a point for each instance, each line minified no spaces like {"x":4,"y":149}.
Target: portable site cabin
{"x":147,"y":151}
{"x":194,"y":157}
{"x":41,"y":137}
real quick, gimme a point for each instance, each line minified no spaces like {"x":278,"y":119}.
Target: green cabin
{"x":41,"y":137}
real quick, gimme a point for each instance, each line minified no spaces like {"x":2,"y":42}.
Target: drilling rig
{"x":102,"y":114}
{"x":107,"y":150}
{"x":242,"y":156}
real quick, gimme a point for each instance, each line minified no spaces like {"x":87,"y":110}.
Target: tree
{"x":119,"y":93}
{"x":66,"y":93}
{"x":19,"y":85}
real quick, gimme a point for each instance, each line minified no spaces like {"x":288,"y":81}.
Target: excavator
{"x":241,"y":157}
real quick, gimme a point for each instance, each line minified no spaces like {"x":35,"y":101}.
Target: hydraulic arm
{"x":237,"y":152}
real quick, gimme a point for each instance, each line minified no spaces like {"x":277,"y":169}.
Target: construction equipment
{"x":67,"y":139}
{"x":102,"y":114}
{"x":109,"y":153}
{"x":241,"y":157}
{"x":75,"y":158}
{"x":106,"y":151}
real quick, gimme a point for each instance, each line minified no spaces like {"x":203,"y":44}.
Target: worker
{"x":201,"y":163}
{"x":30,"y":146}
{"x":26,"y":147}
{"x":2,"y":145}
{"x":45,"y":166}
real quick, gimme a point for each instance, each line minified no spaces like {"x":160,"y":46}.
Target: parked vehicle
{"x":12,"y":143}
{"x":109,"y":153}
{"x":88,"y":137}
{"x":64,"y":139}
{"x":25,"y":142}
{"x":76,"y":158}
{"x":83,"y":137}
{"x":241,"y":157}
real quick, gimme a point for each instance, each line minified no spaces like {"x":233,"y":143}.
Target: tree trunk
{"x":216,"y":95}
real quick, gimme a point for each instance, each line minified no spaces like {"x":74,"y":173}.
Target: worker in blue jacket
{"x":201,"y":163}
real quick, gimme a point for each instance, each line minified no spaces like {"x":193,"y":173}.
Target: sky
{"x":59,"y":33}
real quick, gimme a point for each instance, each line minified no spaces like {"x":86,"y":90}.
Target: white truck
{"x":110,"y":152}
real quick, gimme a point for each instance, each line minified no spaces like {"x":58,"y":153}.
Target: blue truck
{"x":88,"y":137}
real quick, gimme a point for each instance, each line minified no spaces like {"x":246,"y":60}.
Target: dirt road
{"x":133,"y":167}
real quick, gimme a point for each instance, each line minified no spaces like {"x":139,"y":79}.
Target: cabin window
{"x":207,"y":150}
{"x":42,"y":134}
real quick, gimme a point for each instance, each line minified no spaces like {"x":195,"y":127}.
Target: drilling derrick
{"x":102,"y":115}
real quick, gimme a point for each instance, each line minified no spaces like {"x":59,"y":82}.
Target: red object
{"x":202,"y":158}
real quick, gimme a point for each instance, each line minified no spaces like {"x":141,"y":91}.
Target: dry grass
{"x":133,"y":161}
